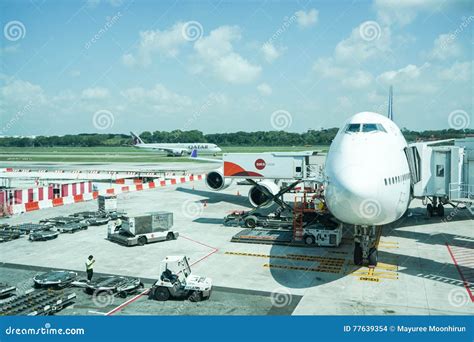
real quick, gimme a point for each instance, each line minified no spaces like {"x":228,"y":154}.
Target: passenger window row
{"x":397,"y":179}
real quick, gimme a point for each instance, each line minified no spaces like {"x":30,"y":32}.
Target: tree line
{"x":260,"y":138}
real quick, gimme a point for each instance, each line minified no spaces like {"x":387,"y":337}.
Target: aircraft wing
{"x":194,"y":156}
{"x":175,"y":151}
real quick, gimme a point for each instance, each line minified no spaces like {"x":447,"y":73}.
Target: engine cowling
{"x":216,"y":181}
{"x":258,"y":198}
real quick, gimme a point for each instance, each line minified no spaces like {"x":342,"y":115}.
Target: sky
{"x":111,"y":66}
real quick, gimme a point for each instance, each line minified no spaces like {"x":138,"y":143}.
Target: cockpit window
{"x":353,"y":128}
{"x":369,"y":127}
{"x":373,"y":128}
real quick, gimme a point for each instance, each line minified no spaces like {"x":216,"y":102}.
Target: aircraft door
{"x":298,"y":168}
{"x":442,"y":172}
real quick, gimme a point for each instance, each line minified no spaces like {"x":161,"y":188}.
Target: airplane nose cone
{"x":352,"y":196}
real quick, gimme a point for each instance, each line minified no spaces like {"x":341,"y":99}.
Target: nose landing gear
{"x":435,"y":208}
{"x":365,"y":251}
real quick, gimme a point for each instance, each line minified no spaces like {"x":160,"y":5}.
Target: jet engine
{"x":258,"y":198}
{"x":216,"y":181}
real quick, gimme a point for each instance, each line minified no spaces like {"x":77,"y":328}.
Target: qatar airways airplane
{"x":367,"y":178}
{"x":174,"y":149}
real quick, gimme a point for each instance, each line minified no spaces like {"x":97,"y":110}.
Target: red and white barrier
{"x":83,"y":174}
{"x":82,"y":197}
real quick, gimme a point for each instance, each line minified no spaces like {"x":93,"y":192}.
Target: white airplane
{"x":367,"y":178}
{"x":174,"y":149}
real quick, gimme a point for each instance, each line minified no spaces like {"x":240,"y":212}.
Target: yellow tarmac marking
{"x":373,"y":279}
{"x":326,"y":264}
{"x":301,"y":268}
{"x":326,"y":260}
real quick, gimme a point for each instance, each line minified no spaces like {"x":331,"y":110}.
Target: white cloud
{"x":158,"y":98}
{"x":96,"y":93}
{"x":445,"y":46}
{"x":357,"y":48}
{"x":9,"y":49}
{"x":216,"y":52}
{"x":270,"y":52}
{"x":165,"y":43}
{"x":349,"y":77}
{"x":357,"y":80}
{"x":218,"y":43}
{"x":20,"y":92}
{"x":264,"y":89}
{"x":326,"y":68}
{"x":233,"y":68}
{"x":405,"y":74}
{"x":307,"y":19}
{"x":411,"y":80}
{"x":457,"y":72}
{"x":403,"y":12}
{"x":129,"y":60}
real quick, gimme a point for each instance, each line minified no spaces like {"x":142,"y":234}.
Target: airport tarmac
{"x":425,"y":264}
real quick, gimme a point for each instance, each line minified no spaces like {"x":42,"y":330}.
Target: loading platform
{"x":266,"y":236}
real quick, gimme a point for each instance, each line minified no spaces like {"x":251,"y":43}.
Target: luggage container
{"x":107,"y":203}
{"x":143,"y":229}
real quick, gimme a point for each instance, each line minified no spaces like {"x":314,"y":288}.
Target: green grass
{"x":121,"y":154}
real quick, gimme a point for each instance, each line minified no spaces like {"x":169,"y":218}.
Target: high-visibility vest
{"x":89,"y":264}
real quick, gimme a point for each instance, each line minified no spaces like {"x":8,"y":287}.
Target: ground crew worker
{"x":118,"y":224}
{"x":90,"y":267}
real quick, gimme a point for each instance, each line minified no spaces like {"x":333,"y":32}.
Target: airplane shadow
{"x":209,"y":220}
{"x":294,"y":275}
{"x":217,"y":197}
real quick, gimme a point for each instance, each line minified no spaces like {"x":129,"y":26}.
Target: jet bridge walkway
{"x":443,"y":174}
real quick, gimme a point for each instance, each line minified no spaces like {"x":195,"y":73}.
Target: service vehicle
{"x":176,"y":281}
{"x":322,"y":235}
{"x":142,"y":229}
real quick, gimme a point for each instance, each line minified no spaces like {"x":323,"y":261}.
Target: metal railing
{"x":461,"y":191}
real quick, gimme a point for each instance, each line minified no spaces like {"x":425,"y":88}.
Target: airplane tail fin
{"x":136,"y":139}
{"x":390,"y":104}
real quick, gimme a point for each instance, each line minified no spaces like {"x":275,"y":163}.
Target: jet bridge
{"x":443,"y":174}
